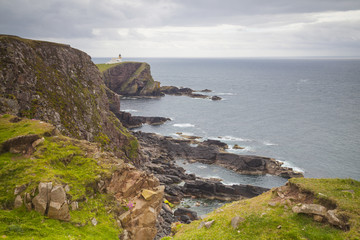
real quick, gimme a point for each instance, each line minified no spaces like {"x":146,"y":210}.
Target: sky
{"x":190,"y":28}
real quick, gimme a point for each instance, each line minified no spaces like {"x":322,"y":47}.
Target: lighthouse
{"x":115,"y":60}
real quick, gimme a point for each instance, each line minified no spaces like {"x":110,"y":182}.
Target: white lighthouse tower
{"x":115,"y":60}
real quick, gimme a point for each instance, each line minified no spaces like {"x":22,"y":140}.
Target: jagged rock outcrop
{"x":131,"y":79}
{"x":61,"y":85}
{"x":172,"y":90}
{"x":303,"y":202}
{"x":130,"y":121}
{"x":210,"y":189}
{"x":211,"y":152}
{"x":139,"y":221}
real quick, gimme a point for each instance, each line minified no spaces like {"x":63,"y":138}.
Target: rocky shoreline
{"x":158,"y":155}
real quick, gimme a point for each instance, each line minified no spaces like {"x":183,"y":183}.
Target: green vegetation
{"x":103,"y":66}
{"x":24,"y":127}
{"x":263,"y":221}
{"x":61,"y":160}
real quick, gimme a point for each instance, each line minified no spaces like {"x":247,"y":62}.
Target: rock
{"x":94,"y":221}
{"x":334,"y":220}
{"x":131,"y":122}
{"x":318,"y":218}
{"x":59,"y":211}
{"x":183,"y":211}
{"x":237,"y":147}
{"x":131,"y":79}
{"x":147,"y":194}
{"x":38,"y":142}
{"x":272,"y":204}
{"x":310,"y":209}
{"x":58,"y":207}
{"x":74,"y":205}
{"x":278,"y":227}
{"x":216,"y":98}
{"x":216,"y":190}
{"x":41,"y":200}
{"x":67,"y":188}
{"x":18,"y":202}
{"x":56,"y":83}
{"x":20,"y":189}
{"x":20,"y":144}
{"x":209,"y":224}
{"x":235,"y":221}
{"x":201,"y":225}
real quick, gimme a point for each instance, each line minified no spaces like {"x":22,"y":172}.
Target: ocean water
{"x":303,"y":112}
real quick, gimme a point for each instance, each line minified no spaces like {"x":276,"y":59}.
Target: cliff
{"x":302,"y":209}
{"x":130,"y":79}
{"x":56,"y":187}
{"x":61,"y":85}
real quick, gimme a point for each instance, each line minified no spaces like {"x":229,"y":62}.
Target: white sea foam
{"x":130,"y":110}
{"x":290,"y":165}
{"x":245,"y":149}
{"x":202,"y":166}
{"x":225,"y":94}
{"x":267,"y":143}
{"x":231,"y":139}
{"x":183,"y":125}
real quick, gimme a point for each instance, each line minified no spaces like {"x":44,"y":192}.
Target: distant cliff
{"x":131,"y":79}
{"x":61,"y":85}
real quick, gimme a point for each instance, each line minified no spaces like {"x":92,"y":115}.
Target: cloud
{"x":184,"y":28}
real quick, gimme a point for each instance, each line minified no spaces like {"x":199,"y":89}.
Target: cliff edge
{"x":130,"y":79}
{"x":61,"y":85}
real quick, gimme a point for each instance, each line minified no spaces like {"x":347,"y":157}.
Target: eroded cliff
{"x":131,"y":79}
{"x":61,"y":85}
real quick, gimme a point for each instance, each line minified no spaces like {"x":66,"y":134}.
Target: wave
{"x":245,"y":149}
{"x":130,"y":110}
{"x":290,"y":165}
{"x":231,"y":139}
{"x":270,"y":143}
{"x":183,"y":125}
{"x":225,"y":94}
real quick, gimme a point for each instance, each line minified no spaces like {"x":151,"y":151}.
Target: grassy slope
{"x":262,"y":221}
{"x":103,"y":66}
{"x":61,"y":160}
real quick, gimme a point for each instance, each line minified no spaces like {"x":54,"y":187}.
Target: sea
{"x":302,"y":112}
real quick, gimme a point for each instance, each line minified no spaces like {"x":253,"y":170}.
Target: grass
{"x":263,"y":221}
{"x":61,"y":160}
{"x":103,"y":66}
{"x":26,"y":126}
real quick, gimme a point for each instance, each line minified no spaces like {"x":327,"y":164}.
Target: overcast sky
{"x":190,"y":28}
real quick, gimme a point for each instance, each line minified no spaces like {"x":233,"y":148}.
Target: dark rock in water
{"x":131,"y":79}
{"x":206,"y":90}
{"x":130,"y":121}
{"x":210,"y":152}
{"x":192,"y":215}
{"x":216,"y":98}
{"x":204,"y":188}
{"x":172,"y":90}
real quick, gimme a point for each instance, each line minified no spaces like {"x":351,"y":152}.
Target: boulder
{"x":18,"y":201}
{"x":20,"y":144}
{"x":186,"y":212}
{"x":209,"y":224}
{"x":41,"y":200}
{"x":147,"y":194}
{"x":235,"y":221}
{"x":216,"y":98}
{"x":315,"y":209}
{"x":58,"y":207}
{"x":205,"y":188}
{"x":333,"y":219}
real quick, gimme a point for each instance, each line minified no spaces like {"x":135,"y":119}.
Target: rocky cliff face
{"x":61,"y":85}
{"x":131,"y":79}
